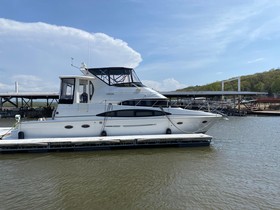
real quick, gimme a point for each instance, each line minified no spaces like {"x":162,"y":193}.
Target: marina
{"x":97,"y":137}
{"x":86,"y":115}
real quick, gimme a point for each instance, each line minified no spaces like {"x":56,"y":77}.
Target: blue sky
{"x":171,"y":44}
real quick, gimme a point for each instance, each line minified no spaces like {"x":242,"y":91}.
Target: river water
{"x":240,"y":170}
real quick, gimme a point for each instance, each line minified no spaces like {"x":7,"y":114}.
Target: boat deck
{"x":100,"y":143}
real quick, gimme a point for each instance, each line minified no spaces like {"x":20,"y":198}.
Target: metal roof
{"x":33,"y":95}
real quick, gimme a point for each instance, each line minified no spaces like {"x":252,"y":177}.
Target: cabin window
{"x":67,"y":91}
{"x":125,"y":113}
{"x":144,"y":113}
{"x":86,"y":90}
{"x":91,"y":90}
{"x":133,"y":113}
{"x":146,"y":102}
{"x":83,"y":90}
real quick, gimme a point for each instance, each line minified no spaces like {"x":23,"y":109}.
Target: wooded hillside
{"x":268,"y":81}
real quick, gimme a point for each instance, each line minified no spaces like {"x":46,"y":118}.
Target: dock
{"x":26,"y":99}
{"x":24,"y":103}
{"x":103,"y":143}
{"x":266,"y":113}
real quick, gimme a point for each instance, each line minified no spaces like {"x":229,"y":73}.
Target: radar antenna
{"x":84,"y":69}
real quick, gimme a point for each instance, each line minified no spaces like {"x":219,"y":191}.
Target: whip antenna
{"x":83,"y":67}
{"x":72,"y":59}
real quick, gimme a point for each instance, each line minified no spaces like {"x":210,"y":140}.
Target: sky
{"x":171,"y":44}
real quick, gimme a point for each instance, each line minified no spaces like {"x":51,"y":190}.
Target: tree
{"x":275,"y":87}
{"x":268,"y":81}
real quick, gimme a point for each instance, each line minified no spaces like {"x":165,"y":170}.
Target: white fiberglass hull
{"x":94,"y":126}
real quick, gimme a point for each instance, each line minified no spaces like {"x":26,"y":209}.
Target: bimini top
{"x":117,"y":76}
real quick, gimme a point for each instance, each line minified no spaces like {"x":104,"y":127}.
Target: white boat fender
{"x":21,"y":135}
{"x":168,"y":131}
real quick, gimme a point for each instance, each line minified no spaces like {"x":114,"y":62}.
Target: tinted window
{"x":117,"y":76}
{"x":144,"y":113}
{"x":133,"y":113}
{"x":67,"y":91}
{"x":150,"y":102}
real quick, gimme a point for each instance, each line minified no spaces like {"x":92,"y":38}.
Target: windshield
{"x":117,"y":76}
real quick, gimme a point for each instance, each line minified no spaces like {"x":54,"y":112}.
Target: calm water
{"x":240,"y":170}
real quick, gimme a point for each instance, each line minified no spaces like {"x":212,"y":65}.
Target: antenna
{"x":72,"y":59}
{"x":83,"y":67}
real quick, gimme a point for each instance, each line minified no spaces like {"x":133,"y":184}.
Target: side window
{"x":133,"y":113}
{"x":144,"y":113}
{"x":91,"y":90}
{"x":83,"y":90}
{"x":67,"y":91}
{"x":125,"y":113}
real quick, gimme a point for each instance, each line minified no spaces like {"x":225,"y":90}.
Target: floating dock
{"x":101,"y":143}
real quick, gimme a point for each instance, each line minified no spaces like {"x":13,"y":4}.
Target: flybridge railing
{"x":205,"y":105}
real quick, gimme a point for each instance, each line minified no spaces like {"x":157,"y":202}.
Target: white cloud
{"x":255,"y":60}
{"x":34,"y":83}
{"x":169,"y":84}
{"x":35,"y":54}
{"x":215,"y":29}
{"x":266,"y":30}
{"x":2,"y":85}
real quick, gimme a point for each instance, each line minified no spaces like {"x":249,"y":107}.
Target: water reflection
{"x":239,"y":170}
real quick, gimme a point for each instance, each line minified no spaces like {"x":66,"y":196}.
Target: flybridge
{"x":117,"y":76}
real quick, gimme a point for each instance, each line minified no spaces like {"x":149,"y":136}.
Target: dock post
{"x":1,"y":104}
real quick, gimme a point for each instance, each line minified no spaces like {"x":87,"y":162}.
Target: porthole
{"x":68,"y":126}
{"x":85,"y":126}
{"x":205,"y":121}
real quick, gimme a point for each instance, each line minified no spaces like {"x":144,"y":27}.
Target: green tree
{"x":268,"y":81}
{"x":275,"y":87}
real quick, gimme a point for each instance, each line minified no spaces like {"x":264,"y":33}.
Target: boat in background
{"x":112,"y":101}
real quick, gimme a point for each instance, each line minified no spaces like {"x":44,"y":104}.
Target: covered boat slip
{"x":106,"y":142}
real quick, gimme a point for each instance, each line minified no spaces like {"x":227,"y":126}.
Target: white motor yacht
{"x":112,"y":101}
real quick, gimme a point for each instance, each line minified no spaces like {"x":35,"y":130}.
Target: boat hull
{"x":97,"y":126}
